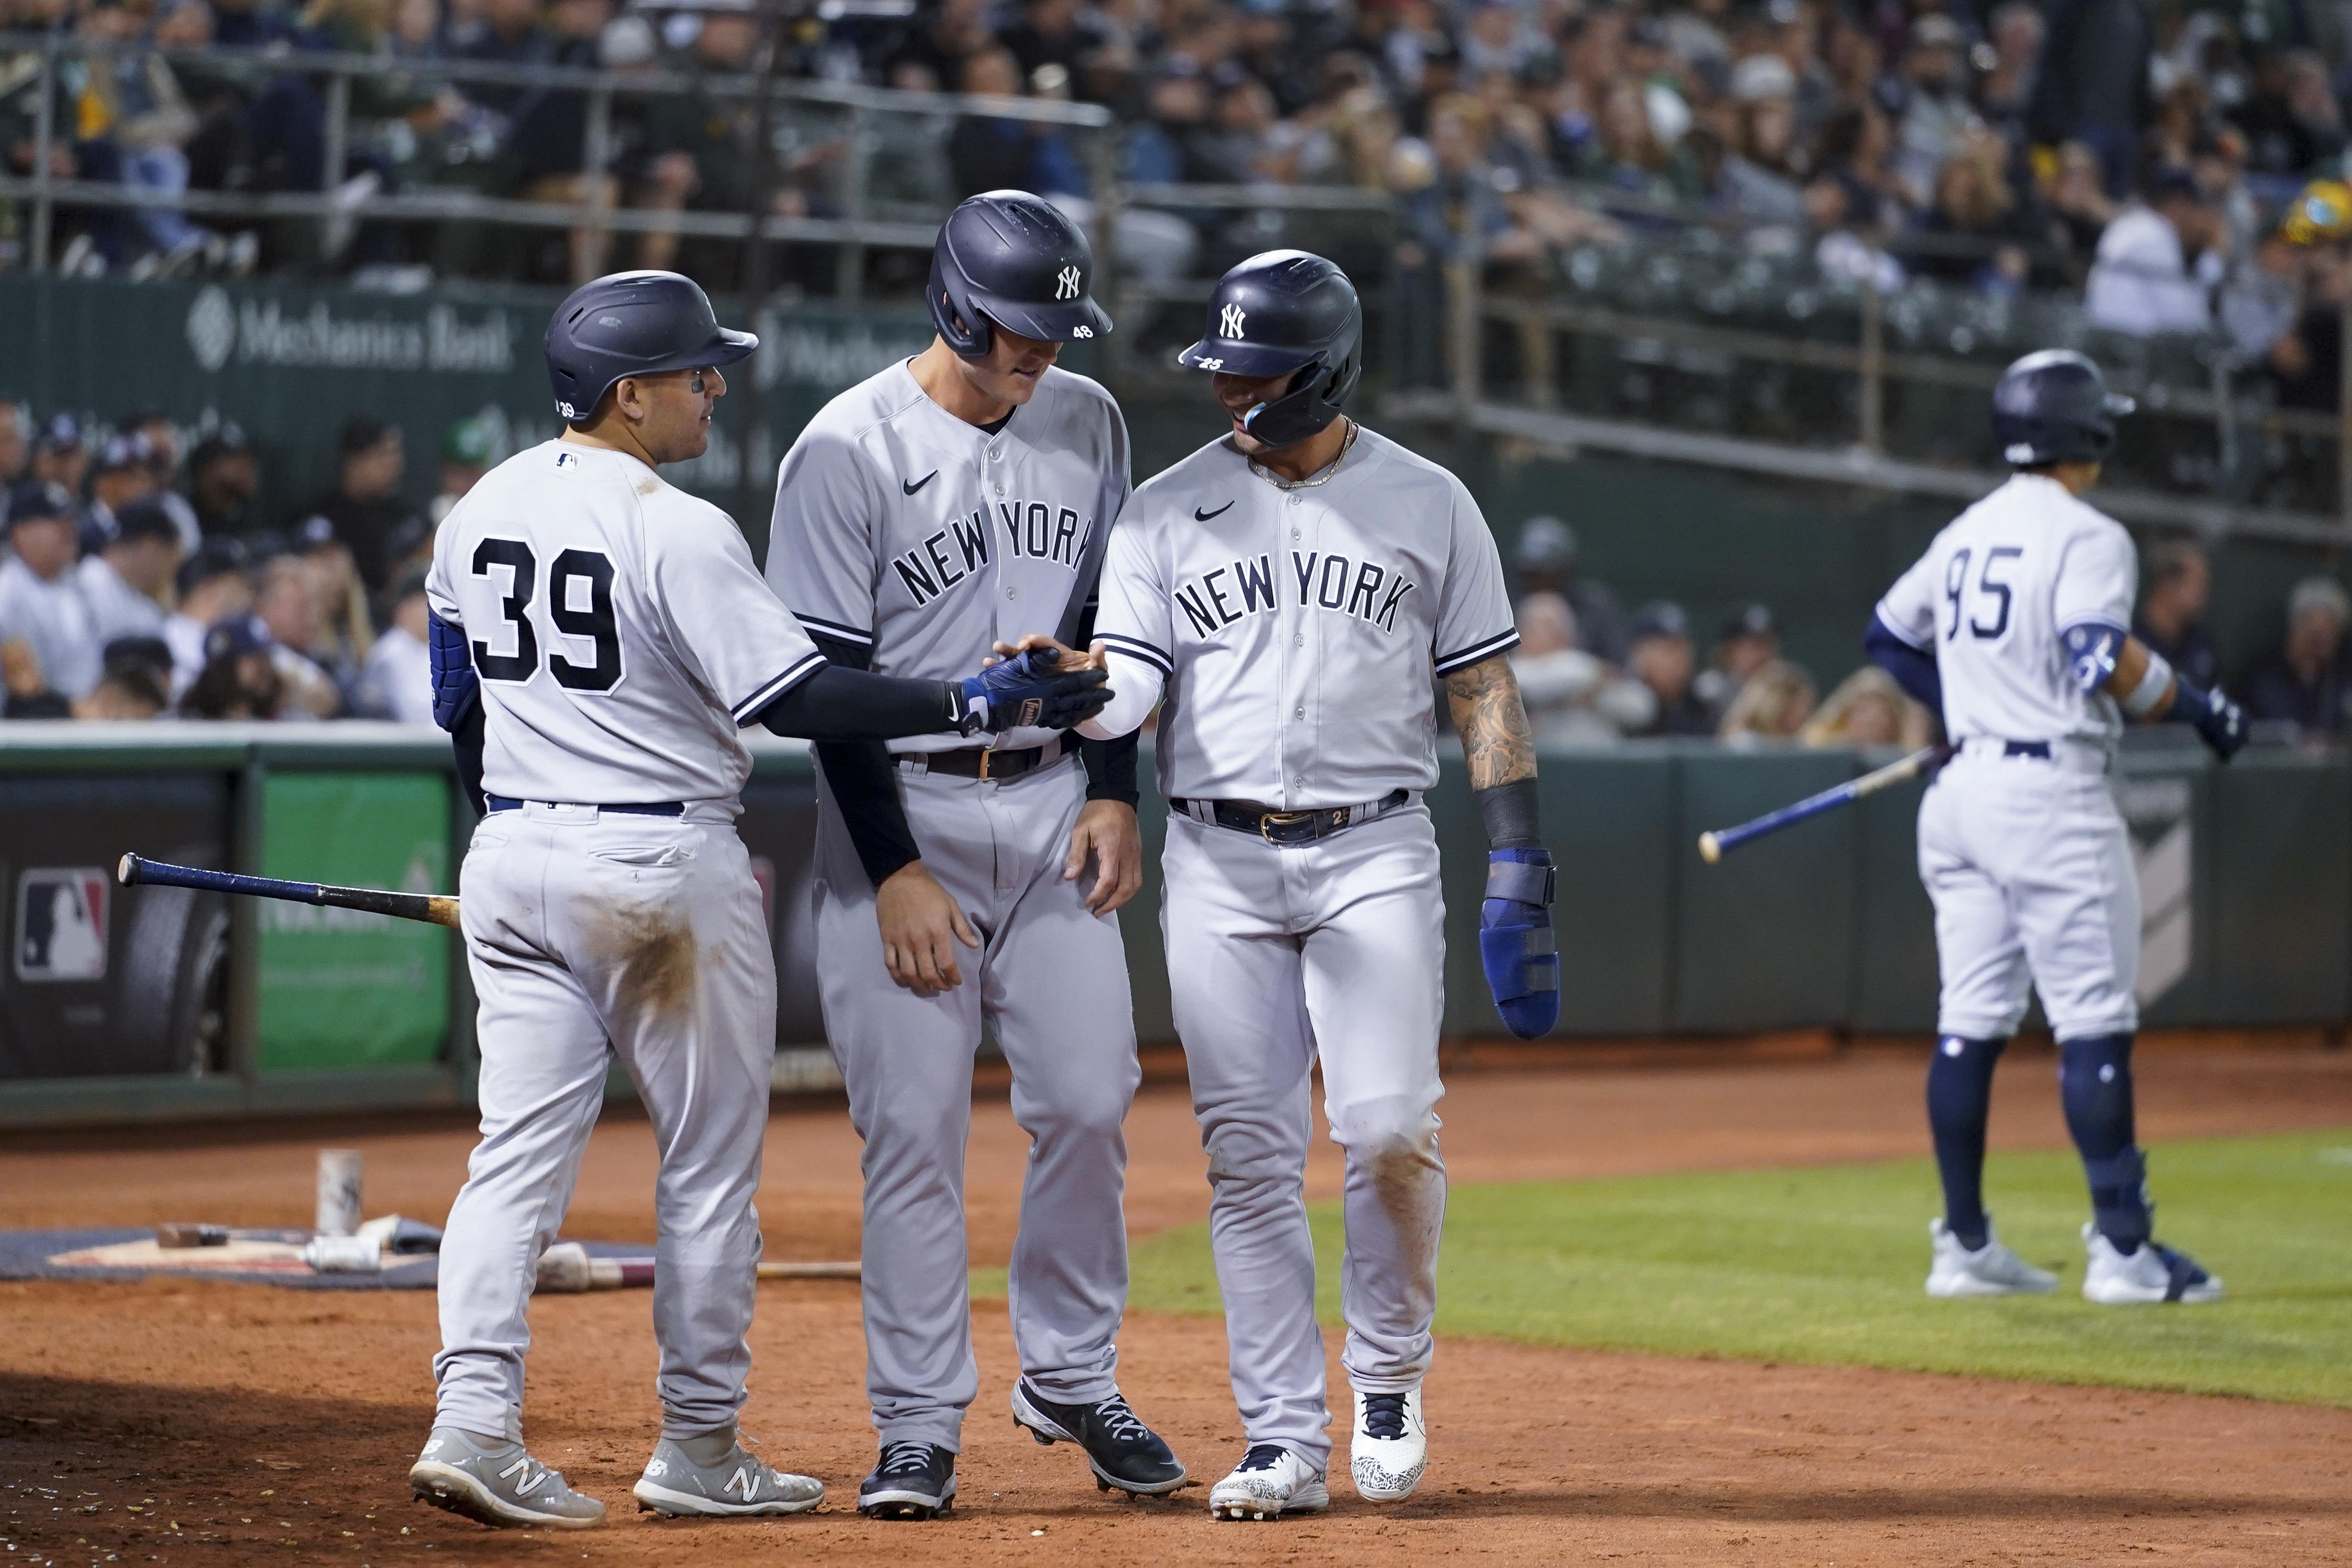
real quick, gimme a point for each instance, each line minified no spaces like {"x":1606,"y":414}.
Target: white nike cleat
{"x":1992,"y":1270}
{"x":737,"y":1486}
{"x":1269,"y":1482}
{"x":1391,"y":1446}
{"x":2150,"y":1275}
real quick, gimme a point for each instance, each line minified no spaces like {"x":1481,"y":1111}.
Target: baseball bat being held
{"x":434,"y":909}
{"x":1712,"y":846}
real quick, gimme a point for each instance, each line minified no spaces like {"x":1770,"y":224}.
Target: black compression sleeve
{"x":864,"y":784}
{"x":1111,"y":767}
{"x":467,"y":739}
{"x":843,"y":704}
{"x":1509,"y":811}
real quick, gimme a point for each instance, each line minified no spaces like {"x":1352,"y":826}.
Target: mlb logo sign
{"x":61,"y":923}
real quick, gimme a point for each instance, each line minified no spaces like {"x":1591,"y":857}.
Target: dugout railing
{"x":153,"y":1004}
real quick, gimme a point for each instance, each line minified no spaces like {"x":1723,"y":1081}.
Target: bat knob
{"x":126,"y":871}
{"x":1709,"y":850}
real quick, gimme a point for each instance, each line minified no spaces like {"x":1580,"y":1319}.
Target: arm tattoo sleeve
{"x":1492,"y":722}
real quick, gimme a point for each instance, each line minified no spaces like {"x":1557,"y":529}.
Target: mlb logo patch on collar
{"x":569,"y":463}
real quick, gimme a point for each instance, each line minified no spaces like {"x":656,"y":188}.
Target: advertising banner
{"x":343,"y":988}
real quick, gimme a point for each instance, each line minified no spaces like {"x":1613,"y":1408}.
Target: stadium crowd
{"x":140,"y":581}
{"x":2179,"y":163}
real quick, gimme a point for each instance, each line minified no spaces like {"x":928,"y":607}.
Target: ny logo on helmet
{"x":1065,"y":283}
{"x":1229,"y":323}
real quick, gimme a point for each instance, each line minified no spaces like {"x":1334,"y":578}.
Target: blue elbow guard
{"x":455,"y":687}
{"x":2092,"y":649}
{"x":1914,"y":669}
{"x":1517,"y":945}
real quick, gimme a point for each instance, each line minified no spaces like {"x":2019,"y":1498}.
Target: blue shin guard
{"x":2094,"y":1083}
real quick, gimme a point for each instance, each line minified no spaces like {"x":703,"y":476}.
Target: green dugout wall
{"x":154,"y":1002}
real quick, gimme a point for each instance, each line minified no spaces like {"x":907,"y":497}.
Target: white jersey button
{"x":1296,"y":500}
{"x":1000,"y":490}
{"x":1299,"y":639}
{"x":1298,"y":713}
{"x":1012,"y":593}
{"x":1293,"y":534}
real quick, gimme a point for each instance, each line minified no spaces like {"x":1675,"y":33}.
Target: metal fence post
{"x":45,"y":141}
{"x":330,"y":178}
{"x":1463,"y":337}
{"x":595,"y":189}
{"x":248,"y":821}
{"x":1874,"y":366}
{"x":849,"y":257}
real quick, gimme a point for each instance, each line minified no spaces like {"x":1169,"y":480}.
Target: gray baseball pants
{"x":1051,"y":979}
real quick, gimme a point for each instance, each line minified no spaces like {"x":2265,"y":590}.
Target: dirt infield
{"x":183,"y":1421}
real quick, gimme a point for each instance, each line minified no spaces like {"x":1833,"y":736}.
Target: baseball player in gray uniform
{"x":1284,"y":595}
{"x":597,"y":639}
{"x":2016,"y":624}
{"x":951,"y":502}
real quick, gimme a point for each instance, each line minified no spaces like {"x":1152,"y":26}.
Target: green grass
{"x":1825,"y":1265}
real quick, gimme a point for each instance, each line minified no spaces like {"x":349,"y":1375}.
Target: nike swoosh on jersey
{"x":911,"y":485}
{"x":1200,"y":516}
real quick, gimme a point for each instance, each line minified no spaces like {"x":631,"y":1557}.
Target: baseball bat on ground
{"x":566,"y":1268}
{"x":1712,"y":846}
{"x":434,"y":909}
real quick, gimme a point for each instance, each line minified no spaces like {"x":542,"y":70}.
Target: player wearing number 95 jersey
{"x":2015,"y":622}
{"x":598,"y":638}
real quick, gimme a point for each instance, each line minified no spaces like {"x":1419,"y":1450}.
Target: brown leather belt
{"x":971,"y":762}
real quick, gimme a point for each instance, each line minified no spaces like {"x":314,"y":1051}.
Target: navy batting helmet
{"x":2055,"y":407}
{"x":1280,"y":311}
{"x":632,"y":323}
{"x":1006,"y":259}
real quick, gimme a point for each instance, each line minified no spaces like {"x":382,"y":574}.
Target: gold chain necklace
{"x":1346,"y":446}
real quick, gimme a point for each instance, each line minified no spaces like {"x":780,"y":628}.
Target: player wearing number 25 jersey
{"x":600,"y":637}
{"x":2016,"y":619}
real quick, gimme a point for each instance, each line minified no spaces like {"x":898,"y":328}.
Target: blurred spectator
{"x":1989,"y":232}
{"x":15,"y":443}
{"x":122,"y":474}
{"x":129,"y":687}
{"x":2305,"y":681}
{"x":287,"y":605}
{"x":213,"y":586}
{"x":162,"y":439}
{"x":2091,"y":84}
{"x":43,"y":612}
{"x":224,"y":477}
{"x":1572,"y":697}
{"x":1772,"y":705}
{"x":346,"y":629}
{"x":465,"y":456}
{"x":1547,"y":560}
{"x":990,"y":153}
{"x":2009,"y":61}
{"x":1936,"y":111}
{"x":2291,"y":121}
{"x":128,"y":583}
{"x":240,"y":677}
{"x":2079,"y":204}
{"x":1751,"y":641}
{"x":398,"y":684}
{"x":2158,"y":264}
{"x":365,"y":506}
{"x":1869,"y":709}
{"x":2175,"y":589}
{"x":1661,"y":657}
{"x":1053,"y":33}
{"x":58,"y":457}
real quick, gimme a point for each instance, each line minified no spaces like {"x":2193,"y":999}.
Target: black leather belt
{"x":1287,"y":826}
{"x":2039,"y":749}
{"x":983,"y":764}
{"x":643,"y":808}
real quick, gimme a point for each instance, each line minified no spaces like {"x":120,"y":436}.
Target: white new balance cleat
{"x":1269,"y":1482}
{"x":499,"y":1484}
{"x":2149,"y":1275}
{"x":1390,"y":1447}
{"x":737,"y":1485}
{"x":1992,"y":1270}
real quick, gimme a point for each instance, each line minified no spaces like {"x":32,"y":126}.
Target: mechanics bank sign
{"x":264,"y":333}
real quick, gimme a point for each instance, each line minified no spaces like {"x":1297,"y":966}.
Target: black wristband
{"x":1509,"y":811}
{"x":1110,"y":768}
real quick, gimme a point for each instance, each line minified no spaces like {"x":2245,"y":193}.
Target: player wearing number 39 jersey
{"x":2016,"y":621}
{"x":598,"y":639}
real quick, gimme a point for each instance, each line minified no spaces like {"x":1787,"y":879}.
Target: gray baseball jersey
{"x":620,"y":629}
{"x":1296,"y":629}
{"x":902,"y":528}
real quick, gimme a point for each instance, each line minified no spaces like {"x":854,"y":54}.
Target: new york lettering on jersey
{"x":954,"y":556}
{"x":1366,"y":590}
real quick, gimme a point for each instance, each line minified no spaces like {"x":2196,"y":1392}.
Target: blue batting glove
{"x":1515,"y":942}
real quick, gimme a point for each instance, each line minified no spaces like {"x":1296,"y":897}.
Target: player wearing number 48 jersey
{"x":1291,"y":589}
{"x":2015,"y":621}
{"x":598,"y":638}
